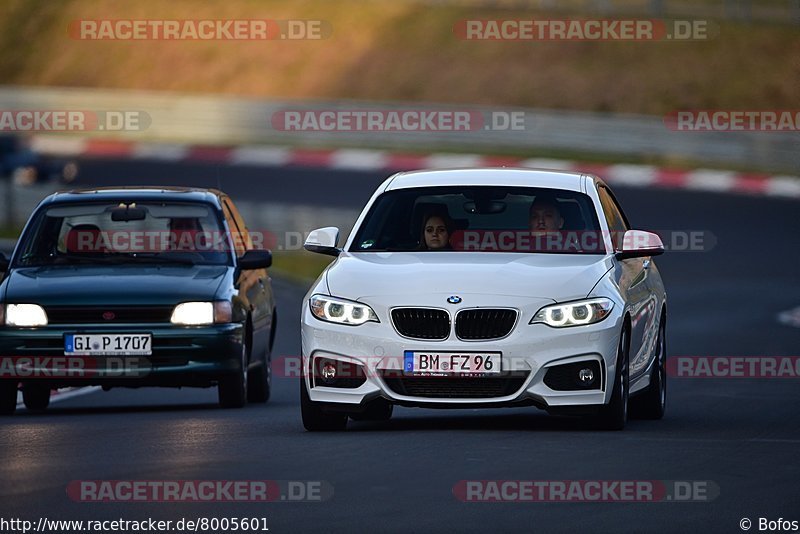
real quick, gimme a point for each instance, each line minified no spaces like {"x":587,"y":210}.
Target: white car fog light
{"x":329,"y":371}
{"x":586,"y":376}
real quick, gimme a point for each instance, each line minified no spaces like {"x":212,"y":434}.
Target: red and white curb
{"x":632,"y":175}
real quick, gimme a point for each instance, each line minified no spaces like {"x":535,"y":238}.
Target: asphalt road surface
{"x":741,"y":435}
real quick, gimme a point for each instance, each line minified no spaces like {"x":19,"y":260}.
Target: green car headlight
{"x":201,"y":313}
{"x":25,"y":315}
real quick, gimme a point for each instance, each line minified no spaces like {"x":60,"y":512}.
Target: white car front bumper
{"x":527,"y":354}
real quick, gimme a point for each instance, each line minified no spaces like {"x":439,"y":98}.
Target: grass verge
{"x":404,"y":51}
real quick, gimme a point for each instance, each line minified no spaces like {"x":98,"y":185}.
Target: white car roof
{"x":502,"y":176}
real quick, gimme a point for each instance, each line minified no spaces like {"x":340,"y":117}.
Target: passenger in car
{"x":436,"y":231}
{"x":547,"y":220}
{"x":83,"y":238}
{"x":187,"y":234}
{"x":545,"y":216}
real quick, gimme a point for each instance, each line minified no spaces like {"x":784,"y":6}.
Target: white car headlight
{"x":26,"y":315}
{"x":341,"y":311}
{"x":202,"y":313}
{"x":574,"y":313}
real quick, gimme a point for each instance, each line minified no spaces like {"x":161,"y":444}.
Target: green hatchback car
{"x":132,"y":287}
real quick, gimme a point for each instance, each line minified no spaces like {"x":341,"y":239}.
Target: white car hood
{"x":558,"y":277}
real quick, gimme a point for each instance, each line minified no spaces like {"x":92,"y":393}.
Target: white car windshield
{"x":481,"y":219}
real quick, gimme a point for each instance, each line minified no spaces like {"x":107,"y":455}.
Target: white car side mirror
{"x":639,"y":244}
{"x":323,"y":241}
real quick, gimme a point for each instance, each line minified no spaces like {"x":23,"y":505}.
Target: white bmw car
{"x":472,"y":288}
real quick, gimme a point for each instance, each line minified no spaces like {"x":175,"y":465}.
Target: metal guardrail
{"x":233,"y":121}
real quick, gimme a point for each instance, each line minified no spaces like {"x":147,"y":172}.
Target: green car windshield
{"x":125,"y":233}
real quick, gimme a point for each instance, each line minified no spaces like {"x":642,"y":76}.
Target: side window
{"x":241,"y":240}
{"x":619,"y":209}
{"x":617,"y":223}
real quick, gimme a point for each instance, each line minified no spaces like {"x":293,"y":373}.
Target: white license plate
{"x":472,"y":363}
{"x":108,"y":344}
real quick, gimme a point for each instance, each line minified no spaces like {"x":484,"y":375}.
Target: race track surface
{"x":742,"y":435}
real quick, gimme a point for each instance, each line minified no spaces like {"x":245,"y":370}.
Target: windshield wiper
{"x":158,"y":258}
{"x":121,"y":258}
{"x":84,"y":258}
